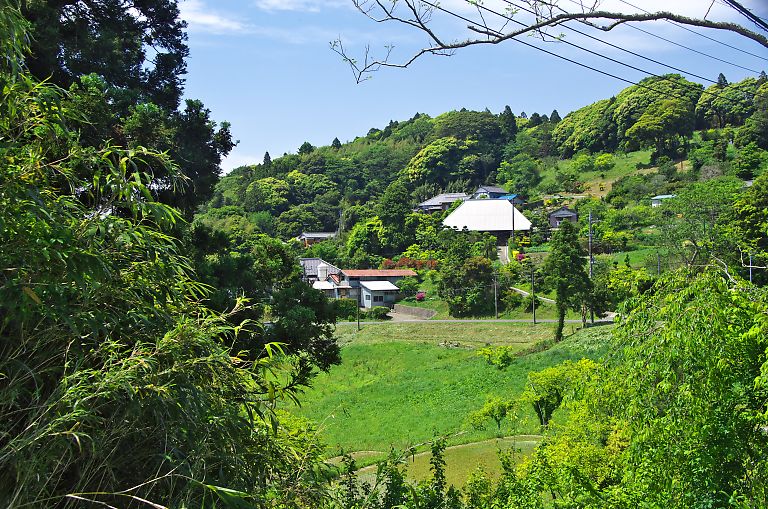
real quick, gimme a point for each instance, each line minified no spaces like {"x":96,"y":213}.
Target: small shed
{"x":378,"y":293}
{"x":562,"y":214}
{"x":656,"y":200}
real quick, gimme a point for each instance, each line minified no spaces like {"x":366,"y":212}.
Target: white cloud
{"x":203,"y":19}
{"x":301,"y":5}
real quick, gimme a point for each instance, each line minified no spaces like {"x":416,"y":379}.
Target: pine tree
{"x":534,"y":120}
{"x":306,"y":148}
{"x":554,"y":117}
{"x":721,"y":81}
{"x":336,"y":144}
{"x":267,"y":159}
{"x":508,"y":123}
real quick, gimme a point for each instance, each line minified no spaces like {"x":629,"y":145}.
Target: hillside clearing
{"x":397,"y":386}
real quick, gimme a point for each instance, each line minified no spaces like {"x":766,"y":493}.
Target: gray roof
{"x":440,"y":199}
{"x":309,"y":266}
{"x":663,"y":197}
{"x":564,"y":212}
{"x":492,"y":189}
{"x":316,"y":235}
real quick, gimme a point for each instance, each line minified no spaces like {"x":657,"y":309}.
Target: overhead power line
{"x":625,"y":50}
{"x":691,"y":49}
{"x":503,"y":16}
{"x":747,"y":14}
{"x":705,"y":36}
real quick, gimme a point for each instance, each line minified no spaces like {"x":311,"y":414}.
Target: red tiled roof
{"x":378,"y":272}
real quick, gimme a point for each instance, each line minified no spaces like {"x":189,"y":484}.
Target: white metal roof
{"x":487,"y":216}
{"x":323,"y":285}
{"x":378,"y":286}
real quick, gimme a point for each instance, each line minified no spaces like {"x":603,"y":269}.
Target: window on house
{"x":367,"y":297}
{"x":378,"y":298}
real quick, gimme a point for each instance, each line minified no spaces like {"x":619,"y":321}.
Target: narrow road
{"x":608,"y":319}
{"x":526,"y":294}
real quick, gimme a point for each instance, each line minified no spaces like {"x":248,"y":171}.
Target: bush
{"x":377,"y":313}
{"x":345,"y":309}
{"x":604,"y":162}
{"x":421,"y":296}
{"x":511,"y":300}
{"x":408,"y":285}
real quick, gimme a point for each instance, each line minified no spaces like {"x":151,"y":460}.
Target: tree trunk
{"x":561,"y":309}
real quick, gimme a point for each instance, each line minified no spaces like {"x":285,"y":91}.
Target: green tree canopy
{"x":564,"y":273}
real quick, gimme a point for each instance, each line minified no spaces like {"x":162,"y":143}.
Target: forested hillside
{"x":653,"y":138}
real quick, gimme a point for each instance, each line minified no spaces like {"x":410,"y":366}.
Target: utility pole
{"x":359,"y":291}
{"x":658,"y":264}
{"x":591,"y":263}
{"x":513,"y":222}
{"x":590,"y":244}
{"x":495,"y":295}
{"x":533,"y":292}
{"x":750,"y":267}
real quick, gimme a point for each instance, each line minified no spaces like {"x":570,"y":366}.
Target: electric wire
{"x":762,"y":25}
{"x":479,"y":6}
{"x":691,"y":49}
{"x":680,"y":25}
{"x":751,"y":94}
{"x":619,"y":47}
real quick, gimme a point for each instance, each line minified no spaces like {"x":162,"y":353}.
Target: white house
{"x":497,"y":217}
{"x":378,"y":293}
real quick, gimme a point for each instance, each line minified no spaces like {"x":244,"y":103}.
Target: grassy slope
{"x":397,"y":387}
{"x":625,"y":165}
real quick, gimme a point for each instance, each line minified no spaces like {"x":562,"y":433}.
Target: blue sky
{"x":266,"y":67}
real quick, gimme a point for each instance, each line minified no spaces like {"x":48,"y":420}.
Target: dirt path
{"x":402,"y":317}
{"x":526,"y":294}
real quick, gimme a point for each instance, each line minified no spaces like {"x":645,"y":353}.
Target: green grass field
{"x":398,"y":387}
{"x":462,"y":460}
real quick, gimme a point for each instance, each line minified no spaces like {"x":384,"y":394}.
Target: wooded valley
{"x":162,"y":343}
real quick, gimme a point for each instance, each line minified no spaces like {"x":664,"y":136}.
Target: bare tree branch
{"x":547,"y":15}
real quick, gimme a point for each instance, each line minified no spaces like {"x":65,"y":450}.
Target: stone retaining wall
{"x":414,"y":311}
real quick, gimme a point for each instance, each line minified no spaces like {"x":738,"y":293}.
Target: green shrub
{"x":377,"y":313}
{"x":346,"y":309}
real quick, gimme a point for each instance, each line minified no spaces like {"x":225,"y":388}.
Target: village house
{"x":497,"y":217}
{"x":369,"y":287}
{"x":562,"y":214}
{"x":440,"y":203}
{"x":309,"y":238}
{"x":488,"y":192}
{"x":310,"y":269}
